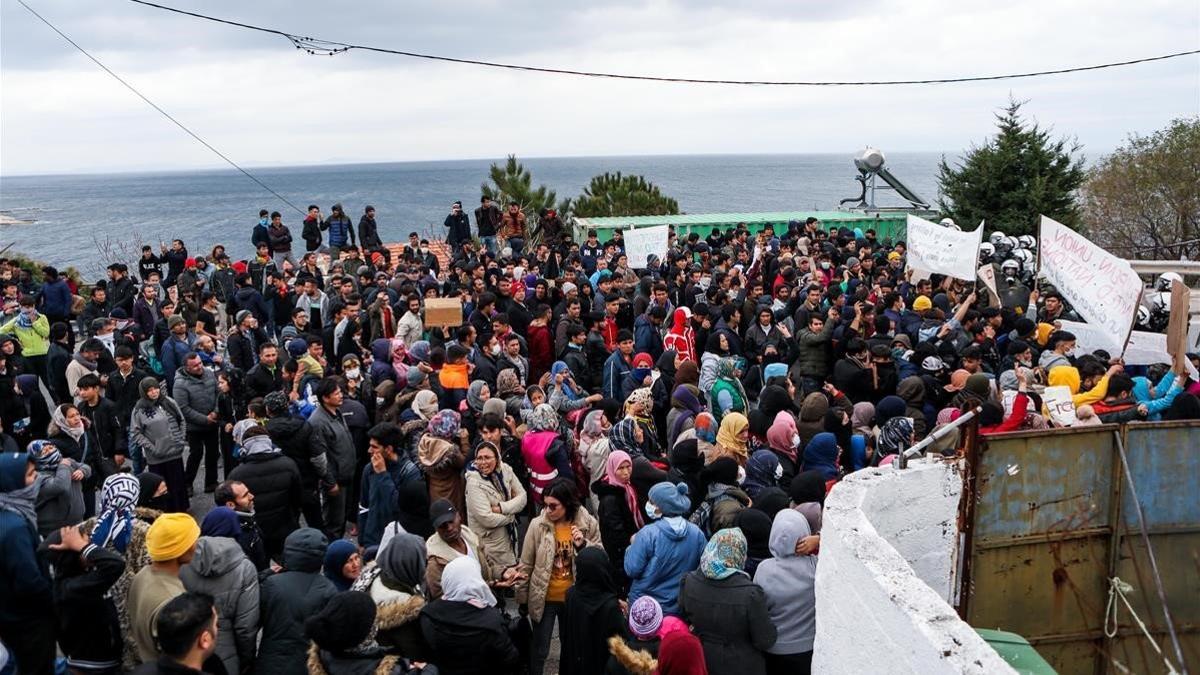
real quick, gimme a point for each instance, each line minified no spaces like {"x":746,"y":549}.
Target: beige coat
{"x":438,"y":554}
{"x":537,"y":558}
{"x":493,"y":527}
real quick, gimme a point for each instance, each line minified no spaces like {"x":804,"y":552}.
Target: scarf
{"x":565,"y":387}
{"x":90,"y":365}
{"x":258,"y":445}
{"x":402,"y":562}
{"x":118,"y":497}
{"x":425,"y":404}
{"x":543,"y":418}
{"x":592,"y":431}
{"x":60,"y":421}
{"x":21,"y":502}
{"x":23,"y":321}
{"x":782,"y":435}
{"x":614,"y":462}
{"x":724,"y":555}
{"x":728,"y":436}
{"x":621,"y":438}
{"x":475,"y":396}
{"x":44,"y":462}
{"x":399,"y":362}
{"x":462,"y":581}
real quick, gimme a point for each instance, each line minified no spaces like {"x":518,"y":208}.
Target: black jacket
{"x":487,"y":221}
{"x":110,"y":435}
{"x":368,"y":232}
{"x":275,"y":482}
{"x":57,"y":360}
{"x":88,"y":627}
{"x":449,"y":626}
{"x":617,"y":525}
{"x":293,"y":436}
{"x":459,"y":226}
{"x":261,"y":381}
{"x":287,"y":599}
{"x":123,"y":392}
{"x":243,"y":350}
{"x":248,"y":297}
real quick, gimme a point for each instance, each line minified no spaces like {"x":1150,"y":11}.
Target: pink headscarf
{"x":615,"y":459}
{"x":399,"y":362}
{"x":779,"y":436}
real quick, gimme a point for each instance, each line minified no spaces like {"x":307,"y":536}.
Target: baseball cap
{"x":441,"y":512}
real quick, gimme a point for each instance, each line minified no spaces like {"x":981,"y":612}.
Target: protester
{"x":286,"y":600}
{"x":171,"y":542}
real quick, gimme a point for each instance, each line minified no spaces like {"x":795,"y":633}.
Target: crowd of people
{"x":636,"y":456}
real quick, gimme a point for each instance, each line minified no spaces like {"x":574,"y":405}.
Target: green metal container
{"x":1016,"y":651}
{"x":887,"y":224}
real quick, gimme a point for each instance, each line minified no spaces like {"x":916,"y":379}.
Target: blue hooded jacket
{"x":661,"y":553}
{"x":1165,"y":392}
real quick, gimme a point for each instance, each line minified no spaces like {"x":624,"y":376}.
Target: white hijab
{"x":462,"y":581}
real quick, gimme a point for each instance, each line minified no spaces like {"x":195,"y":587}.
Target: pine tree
{"x":513,"y":183}
{"x":617,"y":195}
{"x":1013,"y":178}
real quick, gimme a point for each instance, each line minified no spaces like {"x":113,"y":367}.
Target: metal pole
{"x":1162,"y":596}
{"x":915,"y":451}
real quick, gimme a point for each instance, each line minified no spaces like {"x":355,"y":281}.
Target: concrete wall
{"x":888,"y":544}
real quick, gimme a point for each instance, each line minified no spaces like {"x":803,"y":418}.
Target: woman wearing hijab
{"x":466,"y":634}
{"x":399,"y":354}
{"x":726,"y":609}
{"x":788,"y":581}
{"x":544,"y":450}
{"x":119,"y":529}
{"x":727,"y":394}
{"x":681,"y":653}
{"x":70,"y":433}
{"x":415,"y":419}
{"x":593,"y":447}
{"x":685,"y":405}
{"x":723,"y":498}
{"x":661,"y":391}
{"x":59,"y":496}
{"x":494,"y":500}
{"x":688,"y":373}
{"x":441,"y":455}
{"x":715,"y":349}
{"x":763,"y":471}
{"x":784,"y":441}
{"x":640,"y":406}
{"x":343,"y":564}
{"x":631,"y":437}
{"x":733,"y":438}
{"x":837,"y":422}
{"x":635,"y":654}
{"x":821,"y":454}
{"x":565,"y":395}
{"x":152,"y":496}
{"x":393,"y":580}
{"x":619,"y":514}
{"x":472,"y":408}
{"x":157,"y":427}
{"x":592,"y":615}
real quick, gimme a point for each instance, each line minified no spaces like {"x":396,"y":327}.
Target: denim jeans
{"x":489,"y":243}
{"x":543,"y":631}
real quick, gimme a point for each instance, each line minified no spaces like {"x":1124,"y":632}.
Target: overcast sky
{"x":262,"y":102}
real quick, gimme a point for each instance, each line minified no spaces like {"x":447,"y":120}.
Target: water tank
{"x":869,"y":160}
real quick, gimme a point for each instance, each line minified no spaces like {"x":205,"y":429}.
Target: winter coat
{"x":275,"y":482}
{"x":409,"y":329}
{"x":661,"y":553}
{"x":221,"y":570}
{"x":788,"y":582}
{"x":196,"y":397}
{"x":537,"y":558}
{"x":813,"y":358}
{"x":371,"y":661}
{"x":135,"y":558}
{"x":450,"y":626}
{"x":159,"y":432}
{"x":730,"y":617}
{"x":288,"y":598}
{"x":439,"y":554}
{"x":378,"y":501}
{"x":88,"y":628}
{"x":56,"y":298}
{"x":331,"y":437}
{"x":24,"y":577}
{"x":341,"y":231}
{"x":59,"y":499}
{"x":442,"y":462}
{"x":280,"y":239}
{"x":617,"y":524}
{"x":294,"y":437}
{"x":495,"y":529}
{"x":368,"y":232}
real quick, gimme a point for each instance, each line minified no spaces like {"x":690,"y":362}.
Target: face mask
{"x":824,"y":265}
{"x":262,"y":221}
{"x":795,"y":440}
{"x":741,"y":476}
{"x":424,"y":249}
{"x":159,"y":503}
{"x":778,"y":471}
{"x":352,"y":373}
{"x":652,"y":511}
{"x":495,"y":350}
{"x":379,"y":401}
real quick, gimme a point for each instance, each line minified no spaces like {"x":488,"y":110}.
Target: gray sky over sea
{"x":263,"y":102}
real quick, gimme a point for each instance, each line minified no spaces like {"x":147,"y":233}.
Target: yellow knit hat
{"x":171,"y":536}
{"x":922,"y":303}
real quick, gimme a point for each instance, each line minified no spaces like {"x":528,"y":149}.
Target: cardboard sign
{"x":1060,"y":405}
{"x":643,"y":242}
{"x":1143,"y":349}
{"x":943,"y":250}
{"x":987,"y":274}
{"x":443,"y":312}
{"x":1102,"y":288}
{"x":1177,"y":327}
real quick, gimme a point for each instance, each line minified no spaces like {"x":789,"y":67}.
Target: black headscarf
{"x":808,"y":486}
{"x":592,"y":613}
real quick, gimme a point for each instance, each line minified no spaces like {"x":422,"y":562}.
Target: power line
{"x":330,"y":47}
{"x":164,"y":113}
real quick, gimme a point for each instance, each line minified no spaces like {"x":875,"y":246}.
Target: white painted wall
{"x":888,"y":544}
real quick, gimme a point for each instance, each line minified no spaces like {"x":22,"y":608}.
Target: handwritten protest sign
{"x":1102,"y":288}
{"x":943,"y":250}
{"x":987,"y":274}
{"x":1144,"y":349}
{"x":1177,"y":327}
{"x":1060,"y":405}
{"x":643,"y":242}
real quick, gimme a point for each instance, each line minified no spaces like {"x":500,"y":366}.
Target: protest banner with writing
{"x":987,"y":274}
{"x":643,"y":242}
{"x":1177,"y":326}
{"x":1102,"y":288}
{"x":1143,"y":349}
{"x":1060,"y":405}
{"x":943,"y":250}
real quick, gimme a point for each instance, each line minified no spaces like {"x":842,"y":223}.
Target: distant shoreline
{"x":6,"y":219}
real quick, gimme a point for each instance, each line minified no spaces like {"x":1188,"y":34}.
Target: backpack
{"x":702,"y":516}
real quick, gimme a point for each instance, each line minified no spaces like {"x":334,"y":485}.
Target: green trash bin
{"x":1016,"y":652}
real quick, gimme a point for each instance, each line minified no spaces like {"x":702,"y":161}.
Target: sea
{"x":87,"y":221}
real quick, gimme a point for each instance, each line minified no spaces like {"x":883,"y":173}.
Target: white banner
{"x":1144,"y":349}
{"x":644,"y":242}
{"x":1101,"y":287}
{"x":943,"y":250}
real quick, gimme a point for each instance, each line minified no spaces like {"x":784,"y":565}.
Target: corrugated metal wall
{"x":1053,"y":521}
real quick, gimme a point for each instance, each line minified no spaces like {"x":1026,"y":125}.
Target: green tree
{"x":513,"y":183}
{"x":1143,"y":200}
{"x":613,"y":194}
{"x":1013,"y":178}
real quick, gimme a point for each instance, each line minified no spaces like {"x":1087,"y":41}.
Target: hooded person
{"x":635,"y":654}
{"x":686,"y":464}
{"x":726,"y":609}
{"x":593,"y":447}
{"x":466,"y":615}
{"x":59,"y":497}
{"x":680,"y":337}
{"x":755,"y":525}
{"x":821,"y":454}
{"x":342,"y":639}
{"x":665,"y":549}
{"x":681,"y":653}
{"x":788,"y":581}
{"x":25,"y":590}
{"x":287,"y":598}
{"x":591,"y":616}
{"x":158,"y":429}
{"x":275,"y":481}
{"x":733,"y":438}
{"x":381,"y":362}
{"x":783,"y":439}
{"x":441,"y":456}
{"x":763,"y":470}
{"x":727,"y":394}
{"x":342,"y":564}
{"x":221,"y":570}
{"x":685,"y":405}
{"x":394,"y":582}
{"x":912,"y":390}
{"x":618,"y":511}
{"x":812,"y":416}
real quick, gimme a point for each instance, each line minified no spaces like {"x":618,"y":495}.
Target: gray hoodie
{"x":220,"y":569}
{"x":788,"y":581}
{"x":159,"y":430}
{"x":59,"y":499}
